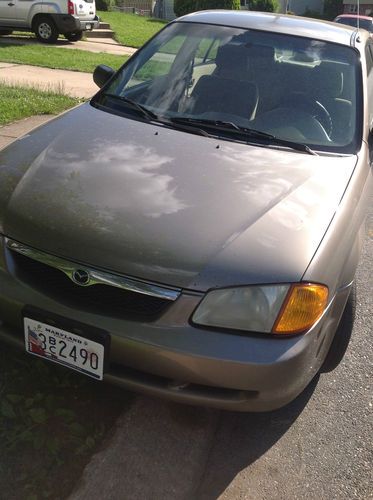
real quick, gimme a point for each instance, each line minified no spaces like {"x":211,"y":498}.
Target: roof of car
{"x":279,"y":23}
{"x":354,"y":16}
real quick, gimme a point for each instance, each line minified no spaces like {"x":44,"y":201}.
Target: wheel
{"x":342,"y":335}
{"x":74,"y":37}
{"x":45,"y":30}
{"x":314,"y":108}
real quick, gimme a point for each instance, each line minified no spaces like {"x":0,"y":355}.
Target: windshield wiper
{"x":228,"y":126}
{"x":143,"y":109}
{"x":154,"y":117}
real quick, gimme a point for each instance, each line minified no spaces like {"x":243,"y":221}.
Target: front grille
{"x":98,"y":298}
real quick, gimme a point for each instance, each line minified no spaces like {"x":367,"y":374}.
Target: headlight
{"x":278,"y":309}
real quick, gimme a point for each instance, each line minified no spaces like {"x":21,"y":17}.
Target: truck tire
{"x":5,"y":32}
{"x":74,"y":37}
{"x":342,"y":335}
{"x":45,"y":30}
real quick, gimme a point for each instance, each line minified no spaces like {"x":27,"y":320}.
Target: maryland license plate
{"x":64,"y":347}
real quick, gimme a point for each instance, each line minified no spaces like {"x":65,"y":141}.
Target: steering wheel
{"x":304,"y":102}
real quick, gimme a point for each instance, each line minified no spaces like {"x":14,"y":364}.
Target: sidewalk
{"x":11,"y":132}
{"x":73,"y":83}
{"x":107,"y":45}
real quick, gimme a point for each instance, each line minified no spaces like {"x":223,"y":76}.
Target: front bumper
{"x":170,"y":358}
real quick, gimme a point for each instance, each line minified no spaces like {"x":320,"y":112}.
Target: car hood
{"x":167,"y":206}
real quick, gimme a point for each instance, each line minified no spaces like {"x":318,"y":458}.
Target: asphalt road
{"x":318,"y":447}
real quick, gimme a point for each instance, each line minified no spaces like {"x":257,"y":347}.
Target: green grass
{"x":17,"y":103}
{"x":130,"y":29}
{"x":51,"y":57}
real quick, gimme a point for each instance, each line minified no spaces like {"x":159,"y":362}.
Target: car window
{"x":366,"y":24}
{"x":298,"y":89}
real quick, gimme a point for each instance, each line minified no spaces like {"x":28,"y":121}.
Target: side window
{"x":369,"y":59}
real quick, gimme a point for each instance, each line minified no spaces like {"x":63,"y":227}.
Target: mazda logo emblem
{"x":81,"y":277}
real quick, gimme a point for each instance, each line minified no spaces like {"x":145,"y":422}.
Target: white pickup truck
{"x":48,"y":18}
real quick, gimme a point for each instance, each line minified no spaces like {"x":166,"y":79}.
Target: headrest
{"x":261,"y":57}
{"x":232,"y":58}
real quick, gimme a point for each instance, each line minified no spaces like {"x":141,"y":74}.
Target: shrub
{"x":332,"y":8}
{"x":105,"y":4}
{"x":264,"y":5}
{"x":182,"y":7}
{"x":313,"y":13}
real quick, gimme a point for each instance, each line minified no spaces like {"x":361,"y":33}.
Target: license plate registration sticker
{"x":63,"y":347}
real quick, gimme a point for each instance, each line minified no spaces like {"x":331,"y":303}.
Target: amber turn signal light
{"x":303,"y":306}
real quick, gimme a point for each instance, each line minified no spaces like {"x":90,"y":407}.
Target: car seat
{"x":227,"y":91}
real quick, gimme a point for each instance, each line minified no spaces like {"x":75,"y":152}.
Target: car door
{"x":8,"y":12}
{"x":24,"y":8}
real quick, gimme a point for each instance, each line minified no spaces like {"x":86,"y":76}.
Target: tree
{"x":264,"y":5}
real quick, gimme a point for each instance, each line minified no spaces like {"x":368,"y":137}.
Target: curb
{"x":13,"y":131}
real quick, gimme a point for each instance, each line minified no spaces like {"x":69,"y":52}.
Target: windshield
{"x":365,"y":24}
{"x":296,"y":89}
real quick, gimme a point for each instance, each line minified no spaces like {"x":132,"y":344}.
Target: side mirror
{"x":102,"y":74}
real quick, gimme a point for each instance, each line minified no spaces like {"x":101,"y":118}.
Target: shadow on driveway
{"x":241,"y":439}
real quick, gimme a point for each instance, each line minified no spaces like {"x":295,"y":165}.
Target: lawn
{"x":17,"y":103}
{"x":52,"y":57}
{"x":130,"y":29}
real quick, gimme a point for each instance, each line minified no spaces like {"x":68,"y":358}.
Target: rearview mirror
{"x":102,"y":74}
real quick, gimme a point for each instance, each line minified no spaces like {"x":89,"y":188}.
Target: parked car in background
{"x":48,"y":19}
{"x":354,"y":20}
{"x":203,"y":247}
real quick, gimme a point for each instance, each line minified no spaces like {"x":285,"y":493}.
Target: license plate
{"x":64,"y":347}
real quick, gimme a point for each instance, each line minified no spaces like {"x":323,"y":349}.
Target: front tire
{"x":342,"y":335}
{"x":45,"y":30}
{"x":74,"y":37}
